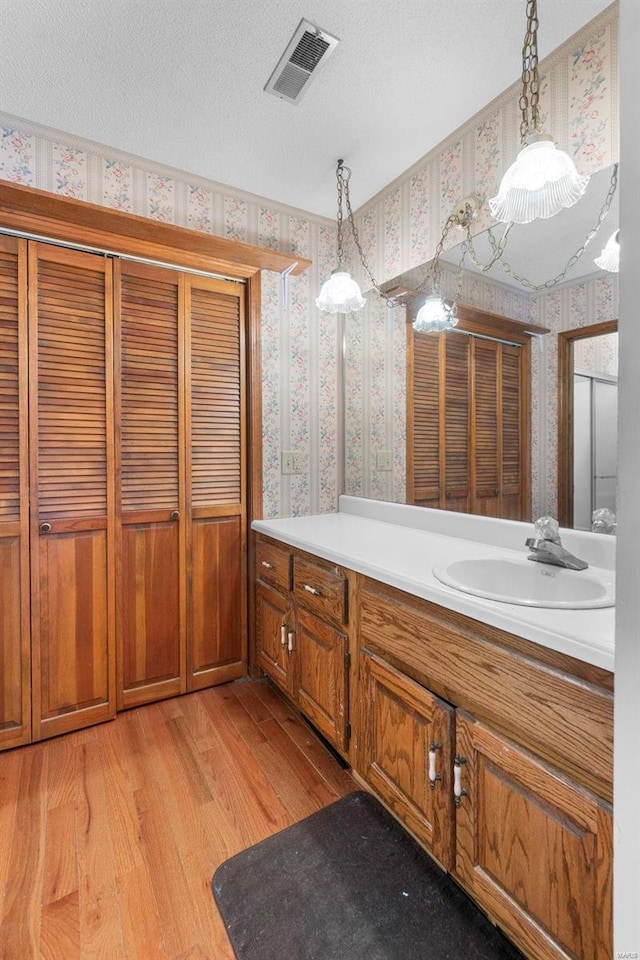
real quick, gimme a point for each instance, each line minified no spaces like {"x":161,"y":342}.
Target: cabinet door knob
{"x":433,"y":776}
{"x":267,"y":565}
{"x":174,"y":515}
{"x":448,"y":494}
{"x":45,"y":527}
{"x":283,"y":635}
{"x":458,"y":789}
{"x":313,"y":590}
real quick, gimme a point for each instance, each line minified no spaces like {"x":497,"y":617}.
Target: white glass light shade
{"x":542,"y":181}
{"x":435,"y":315}
{"x":609,"y":259}
{"x":340,"y":294}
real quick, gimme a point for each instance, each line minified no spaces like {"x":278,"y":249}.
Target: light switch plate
{"x":292,"y":463}
{"x":384,"y":460}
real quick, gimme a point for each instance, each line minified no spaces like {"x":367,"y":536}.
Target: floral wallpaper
{"x":399,"y":229}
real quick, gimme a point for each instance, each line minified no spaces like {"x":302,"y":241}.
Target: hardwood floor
{"x":109,"y":836}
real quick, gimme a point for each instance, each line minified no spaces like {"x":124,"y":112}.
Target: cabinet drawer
{"x":322,"y":590}
{"x":273,"y":563}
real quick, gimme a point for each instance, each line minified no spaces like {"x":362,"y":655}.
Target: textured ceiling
{"x":181,"y":81}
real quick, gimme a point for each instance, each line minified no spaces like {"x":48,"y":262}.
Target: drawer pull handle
{"x":45,"y":527}
{"x":290,"y":641}
{"x":458,"y":789}
{"x":283,"y":635}
{"x":433,"y":776}
{"x":267,"y":565}
{"x":313,"y":590}
{"x":174,"y":515}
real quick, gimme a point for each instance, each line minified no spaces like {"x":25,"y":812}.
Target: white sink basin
{"x":528,"y":583}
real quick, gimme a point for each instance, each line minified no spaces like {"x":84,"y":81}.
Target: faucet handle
{"x":547,"y":528}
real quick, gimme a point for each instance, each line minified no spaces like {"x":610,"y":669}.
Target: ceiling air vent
{"x":308,"y":51}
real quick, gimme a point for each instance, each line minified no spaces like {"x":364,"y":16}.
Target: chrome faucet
{"x":547,"y":547}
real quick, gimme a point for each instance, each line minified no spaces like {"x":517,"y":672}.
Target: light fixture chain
{"x":354,"y":230}
{"x":530,"y":81}
{"x":340,"y":180}
{"x":604,"y":210}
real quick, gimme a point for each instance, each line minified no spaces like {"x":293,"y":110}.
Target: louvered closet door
{"x":15,"y":642}
{"x":487,"y":447}
{"x":216,"y":481}
{"x":151,"y":595}
{"x":72,"y":495}
{"x":515,"y":398}
{"x":456,"y":443}
{"x":426,"y":419}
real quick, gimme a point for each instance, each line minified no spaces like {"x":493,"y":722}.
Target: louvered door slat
{"x":456,"y":417}
{"x":71,"y":342}
{"x":15,"y":667}
{"x":216,"y":402}
{"x":72,"y":488}
{"x":426,"y":419}
{"x":511,"y":400}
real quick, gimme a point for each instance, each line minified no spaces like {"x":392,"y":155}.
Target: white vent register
{"x":307,"y":52}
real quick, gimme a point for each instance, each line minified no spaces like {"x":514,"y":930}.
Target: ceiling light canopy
{"x":543,"y":180}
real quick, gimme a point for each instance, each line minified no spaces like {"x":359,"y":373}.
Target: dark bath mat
{"x":348,"y":883}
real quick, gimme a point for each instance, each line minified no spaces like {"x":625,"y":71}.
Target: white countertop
{"x":399,"y":555}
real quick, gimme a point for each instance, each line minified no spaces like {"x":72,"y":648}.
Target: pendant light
{"x":340,"y":293}
{"x":609,"y":259}
{"x":543,"y":180}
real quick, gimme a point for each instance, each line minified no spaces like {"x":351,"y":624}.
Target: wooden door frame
{"x":566,"y":340}
{"x":71,"y":222}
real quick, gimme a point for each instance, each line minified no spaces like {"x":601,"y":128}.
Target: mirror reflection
{"x":378,"y":358}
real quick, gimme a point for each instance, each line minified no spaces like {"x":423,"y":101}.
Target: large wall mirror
{"x":378,"y":399}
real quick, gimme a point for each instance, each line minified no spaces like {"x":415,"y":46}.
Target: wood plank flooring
{"x":109,"y":836}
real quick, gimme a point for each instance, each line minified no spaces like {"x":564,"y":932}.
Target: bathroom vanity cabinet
{"x":301,"y":615}
{"x":494,"y":751}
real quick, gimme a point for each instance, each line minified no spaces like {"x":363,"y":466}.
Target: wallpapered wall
{"x":399,"y":228}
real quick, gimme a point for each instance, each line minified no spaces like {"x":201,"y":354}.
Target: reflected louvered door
{"x":72,"y":492}
{"x":426,"y":420}
{"x":455,"y":470}
{"x":515,"y":432}
{"x":15,"y":641}
{"x":486,"y":416}
{"x":151,"y":556}
{"x":216,"y":481}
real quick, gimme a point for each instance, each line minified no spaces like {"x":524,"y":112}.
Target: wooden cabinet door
{"x":532,"y":848}
{"x":274,"y":636}
{"x":402,"y":724}
{"x":216,"y":481}
{"x":72,"y":493}
{"x":150,"y":495}
{"x":322,"y":676}
{"x":15,"y":641}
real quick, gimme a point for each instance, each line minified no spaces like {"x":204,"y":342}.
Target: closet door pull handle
{"x":174,"y":515}
{"x":313,"y":590}
{"x":267,"y":565}
{"x":45,"y":527}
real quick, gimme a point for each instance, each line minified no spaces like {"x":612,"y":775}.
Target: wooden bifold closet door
{"x":181,"y":480}
{"x":15,"y":644}
{"x":72,"y":488}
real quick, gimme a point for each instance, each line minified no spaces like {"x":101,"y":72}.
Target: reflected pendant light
{"x":340,"y":293}
{"x":543,"y":180}
{"x":435,"y":315}
{"x":609,"y":259}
